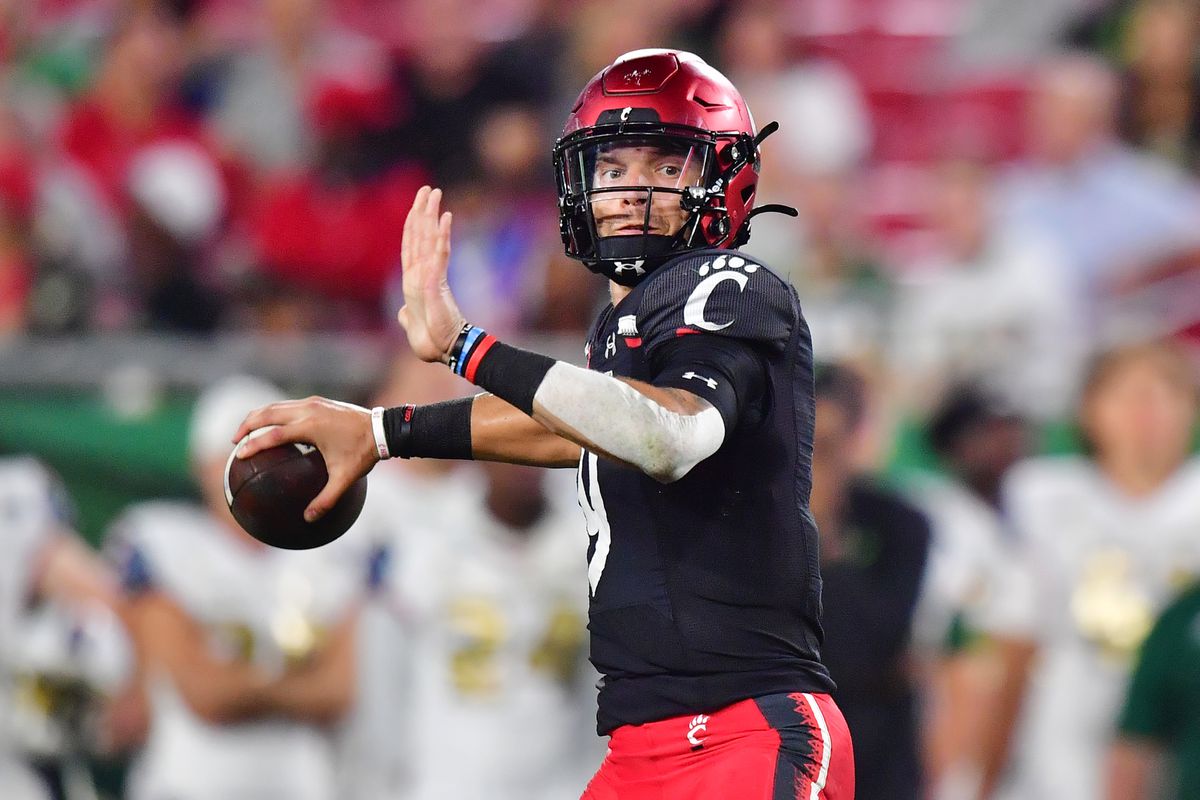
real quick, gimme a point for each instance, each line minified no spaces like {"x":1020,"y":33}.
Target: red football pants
{"x":794,"y":746}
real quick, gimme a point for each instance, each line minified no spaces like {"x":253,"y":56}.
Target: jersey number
{"x":594,"y":515}
{"x":483,"y":635}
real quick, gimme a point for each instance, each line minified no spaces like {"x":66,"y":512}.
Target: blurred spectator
{"x":59,"y":642}
{"x":451,"y":78}
{"x":1110,"y":210}
{"x":493,"y":612}
{"x":1160,"y":106}
{"x":88,"y":192}
{"x":976,"y":612}
{"x":1007,"y":34}
{"x":506,"y":265}
{"x":331,"y":231}
{"x":1112,"y":535}
{"x":815,"y":165}
{"x":824,"y":124}
{"x":847,"y":295}
{"x":132,"y":100}
{"x":178,"y":202}
{"x":16,"y":206}
{"x":1099,"y":27}
{"x":1158,"y":733}
{"x":247,"y":652}
{"x":334,"y":235}
{"x":993,"y":304}
{"x":873,"y":551}
{"x":596,"y":30}
{"x":262,"y":114}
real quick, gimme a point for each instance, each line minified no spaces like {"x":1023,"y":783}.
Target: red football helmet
{"x":695,"y":139}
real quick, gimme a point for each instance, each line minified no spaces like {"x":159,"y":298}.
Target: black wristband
{"x":511,"y":374}
{"x":437,"y":430}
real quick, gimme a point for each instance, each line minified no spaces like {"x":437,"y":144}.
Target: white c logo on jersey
{"x":693,"y":311}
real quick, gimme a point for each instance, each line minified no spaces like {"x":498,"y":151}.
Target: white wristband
{"x":380,"y":436}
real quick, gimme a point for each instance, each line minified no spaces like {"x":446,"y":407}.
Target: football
{"x":269,"y":491}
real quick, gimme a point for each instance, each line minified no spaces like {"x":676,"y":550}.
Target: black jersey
{"x":707,"y":590}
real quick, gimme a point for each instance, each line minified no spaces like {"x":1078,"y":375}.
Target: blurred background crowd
{"x":998,"y":252}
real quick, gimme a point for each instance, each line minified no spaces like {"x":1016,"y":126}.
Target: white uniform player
{"x":30,"y":517}
{"x":29,"y":522}
{"x":247,"y":650}
{"x":501,"y":701}
{"x":258,"y":605}
{"x":60,"y":644}
{"x":422,"y":499}
{"x":977,"y":574}
{"x":1105,"y":565}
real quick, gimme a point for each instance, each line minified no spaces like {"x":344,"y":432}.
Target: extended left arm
{"x":661,"y":431}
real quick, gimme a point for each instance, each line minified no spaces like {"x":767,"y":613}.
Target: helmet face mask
{"x":665,"y":162}
{"x":630,"y":198}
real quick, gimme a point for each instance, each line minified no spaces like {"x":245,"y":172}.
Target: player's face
{"x":1139,"y":414}
{"x":624,"y":213}
{"x":833,"y":438}
{"x":985,"y":452}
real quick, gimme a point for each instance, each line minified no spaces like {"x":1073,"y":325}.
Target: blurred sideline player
{"x":874,"y":546}
{"x":57,"y":624}
{"x":1158,"y":733}
{"x":1113,"y":537}
{"x":976,"y":614}
{"x":247,"y":652}
{"x":691,"y":429}
{"x":492,"y":605}
{"x":407,"y":499}
{"x":478,"y":582}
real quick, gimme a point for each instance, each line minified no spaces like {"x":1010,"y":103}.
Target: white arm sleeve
{"x":609,"y":416}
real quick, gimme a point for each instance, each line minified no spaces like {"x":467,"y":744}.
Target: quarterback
{"x":691,"y":428}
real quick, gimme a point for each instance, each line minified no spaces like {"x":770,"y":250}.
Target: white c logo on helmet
{"x":693,"y":311}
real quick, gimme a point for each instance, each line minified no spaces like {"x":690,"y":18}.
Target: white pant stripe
{"x":826,"y":747}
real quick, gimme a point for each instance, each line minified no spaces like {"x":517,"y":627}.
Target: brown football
{"x":269,"y":491}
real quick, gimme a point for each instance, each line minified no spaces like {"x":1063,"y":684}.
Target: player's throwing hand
{"x":341,"y":431}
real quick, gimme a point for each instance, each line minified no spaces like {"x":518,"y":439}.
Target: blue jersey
{"x":707,"y":591}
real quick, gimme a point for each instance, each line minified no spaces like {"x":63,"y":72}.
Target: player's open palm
{"x":430,"y":315}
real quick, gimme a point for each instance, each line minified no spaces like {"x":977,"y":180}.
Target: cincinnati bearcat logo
{"x":697,"y":731}
{"x":716,"y":272}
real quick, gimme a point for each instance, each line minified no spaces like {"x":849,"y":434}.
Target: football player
{"x":874,"y":548}
{"x":691,"y":428}
{"x":977,"y":608}
{"x":492,"y":603}
{"x":247,"y":653}
{"x":1113,"y":536}
{"x":54,"y":592}
{"x":1158,"y":735}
